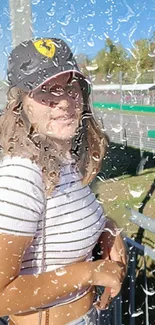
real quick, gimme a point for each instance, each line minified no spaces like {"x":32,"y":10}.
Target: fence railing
{"x":114,"y":315}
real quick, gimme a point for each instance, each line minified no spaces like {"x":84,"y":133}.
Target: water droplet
{"x":90,"y":27}
{"x":51,"y":12}
{"x":136,"y":193}
{"x":114,"y":198}
{"x":56,"y":61}
{"x":54,"y":281}
{"x":100,"y":37}
{"x":35,"y":2}
{"x":94,"y":171}
{"x":29,"y":109}
{"x":34,"y":158}
{"x":38,"y":144}
{"x":92,"y":67}
{"x":137,"y":313}
{"x":10,"y":149}
{"x":44,"y":169}
{"x":43,"y":101}
{"x":6,"y":12}
{"x":106,"y":35}
{"x":10,"y":26}
{"x":151,"y":55}
{"x":52,"y":158}
{"x":72,"y":9}
{"x":34,"y":17}
{"x":114,"y":232}
{"x":129,"y":14}
{"x":16,"y":110}
{"x":91,"y":14}
{"x":90,"y":41}
{"x":20,"y":9}
{"x":117,"y":129}
{"x":96,"y":156}
{"x":65,"y":20}
{"x":148,"y":293}
{"x":76,"y":19}
{"x":93,"y":1}
{"x":60,"y":272}
{"x":13,"y":139}
{"x":36,"y":291}
{"x":1,"y":31}
{"x":64,"y":34}
{"x":52,"y":174}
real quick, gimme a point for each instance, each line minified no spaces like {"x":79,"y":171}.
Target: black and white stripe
{"x":74,"y":219}
{"x":21,"y":196}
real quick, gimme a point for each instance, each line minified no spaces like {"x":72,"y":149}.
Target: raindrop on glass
{"x":51,"y":12}
{"x":20,"y":9}
{"x":60,"y":272}
{"x":1,"y":31}
{"x":90,"y":41}
{"x":65,"y":20}
{"x":10,"y":26}
{"x":96,"y":156}
{"x":35,"y":2}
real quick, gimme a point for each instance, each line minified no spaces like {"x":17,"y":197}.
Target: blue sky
{"x":83,"y":24}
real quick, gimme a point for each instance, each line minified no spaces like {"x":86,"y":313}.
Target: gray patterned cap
{"x":34,"y":62}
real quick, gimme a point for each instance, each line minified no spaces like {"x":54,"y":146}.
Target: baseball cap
{"x":34,"y":62}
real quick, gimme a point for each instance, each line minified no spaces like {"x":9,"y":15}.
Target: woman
{"x":51,"y":149}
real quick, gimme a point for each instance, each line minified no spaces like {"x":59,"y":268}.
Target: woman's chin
{"x":62,"y":132}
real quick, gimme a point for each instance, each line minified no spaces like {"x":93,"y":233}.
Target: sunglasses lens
{"x":40,"y":96}
{"x":48,"y":93}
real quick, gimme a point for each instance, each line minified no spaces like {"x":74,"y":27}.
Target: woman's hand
{"x":107,"y":274}
{"x":112,"y":248}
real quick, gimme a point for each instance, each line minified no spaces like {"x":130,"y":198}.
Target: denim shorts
{"x":90,"y":318}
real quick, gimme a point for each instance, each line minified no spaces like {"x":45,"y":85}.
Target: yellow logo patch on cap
{"x":45,"y":47}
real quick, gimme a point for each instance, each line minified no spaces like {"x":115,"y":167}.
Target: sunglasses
{"x":48,"y":93}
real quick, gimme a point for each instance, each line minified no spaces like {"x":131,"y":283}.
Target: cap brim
{"x":61,"y":73}
{"x":35,"y":80}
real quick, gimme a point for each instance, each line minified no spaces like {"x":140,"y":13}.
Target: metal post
{"x":146,"y":297}
{"x":20,"y":16}
{"x":118,"y":311}
{"x":121,"y":113}
{"x":132,"y":254}
{"x":90,"y":69}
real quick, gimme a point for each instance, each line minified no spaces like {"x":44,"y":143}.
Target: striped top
{"x":73,"y":219}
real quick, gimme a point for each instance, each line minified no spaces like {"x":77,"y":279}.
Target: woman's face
{"x":55,"y":108}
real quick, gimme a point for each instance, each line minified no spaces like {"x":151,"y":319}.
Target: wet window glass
{"x":83,"y":96}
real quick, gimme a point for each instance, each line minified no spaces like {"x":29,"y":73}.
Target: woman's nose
{"x":64,"y":104}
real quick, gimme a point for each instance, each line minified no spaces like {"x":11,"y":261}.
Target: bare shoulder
{"x":12,"y":248}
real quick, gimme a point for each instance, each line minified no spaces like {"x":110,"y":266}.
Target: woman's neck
{"x":62,"y":148}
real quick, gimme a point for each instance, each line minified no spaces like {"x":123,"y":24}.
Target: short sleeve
{"x":21,"y":196}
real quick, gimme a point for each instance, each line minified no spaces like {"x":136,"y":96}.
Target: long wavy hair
{"x":18,"y":138}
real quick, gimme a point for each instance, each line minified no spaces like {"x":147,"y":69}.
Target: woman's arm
{"x":112,"y":248}
{"x":112,"y":243}
{"x":21,"y":293}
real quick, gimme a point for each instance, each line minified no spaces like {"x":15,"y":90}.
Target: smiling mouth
{"x":63,"y":118}
{"x":63,"y":121}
